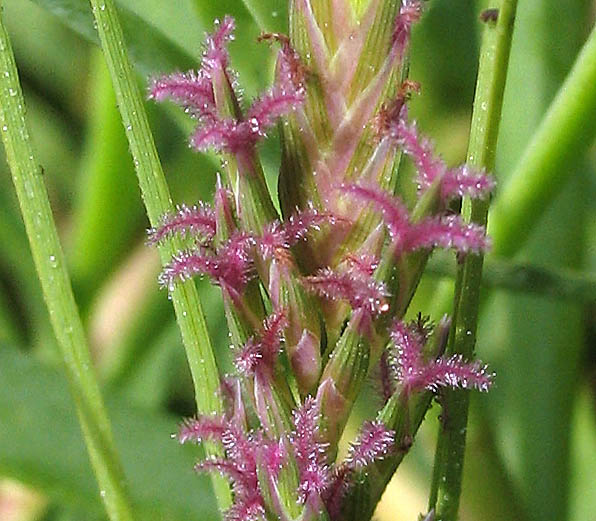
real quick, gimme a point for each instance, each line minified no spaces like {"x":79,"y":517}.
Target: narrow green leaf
{"x":564,"y":135}
{"x":51,"y":270}
{"x":156,"y":197}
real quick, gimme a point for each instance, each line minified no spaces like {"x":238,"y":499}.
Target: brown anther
{"x":390,"y":112}
{"x":406,"y":443}
{"x":489,"y":15}
{"x":298,"y":71}
{"x":274,"y":37}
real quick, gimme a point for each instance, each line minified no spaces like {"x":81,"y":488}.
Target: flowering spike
{"x":374,"y":443}
{"x":195,"y":220}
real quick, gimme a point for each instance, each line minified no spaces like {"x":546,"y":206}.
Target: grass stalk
{"x":492,"y":74}
{"x":51,"y":269}
{"x":156,"y":197}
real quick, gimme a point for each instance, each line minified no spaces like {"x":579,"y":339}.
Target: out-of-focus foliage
{"x":530,"y":440}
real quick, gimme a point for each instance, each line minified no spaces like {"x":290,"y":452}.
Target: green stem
{"x":49,"y":262}
{"x":156,"y":197}
{"x":564,"y":134}
{"x":492,"y":73}
{"x":561,"y":284}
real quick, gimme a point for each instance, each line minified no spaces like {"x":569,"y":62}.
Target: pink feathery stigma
{"x":191,"y":90}
{"x":222,"y":135}
{"x":185,"y":265}
{"x":274,"y":455}
{"x":454,"y":372}
{"x":409,"y":13}
{"x":261,"y":350}
{"x":239,"y":466}
{"x":278,"y":237}
{"x":374,"y":442}
{"x":365,"y":294}
{"x":456,"y":182}
{"x":267,"y":109}
{"x":195,"y":220}
{"x":216,"y":54}
{"x":428,"y":165}
{"x":234,"y":136}
{"x":308,"y":450}
{"x":416,"y":374}
{"x":201,"y":429}
{"x":394,"y":213}
{"x":222,"y":466}
{"x":449,"y":233}
{"x":465,"y":181}
{"x":364,"y":264}
{"x":304,"y":221}
{"x":230,"y":267}
{"x":251,"y":509}
{"x":304,"y":436}
{"x":446,"y":232}
{"x":409,"y":344}
{"x":272,"y":241}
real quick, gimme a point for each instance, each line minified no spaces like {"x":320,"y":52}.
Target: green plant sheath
{"x":157,"y":200}
{"x":49,"y":261}
{"x":492,"y":73}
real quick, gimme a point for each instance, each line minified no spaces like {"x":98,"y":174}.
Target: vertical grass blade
{"x":51,"y":269}
{"x":492,"y":73}
{"x":565,"y":133}
{"x":156,"y":197}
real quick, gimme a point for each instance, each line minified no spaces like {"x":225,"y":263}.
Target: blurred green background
{"x":532,"y":439}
